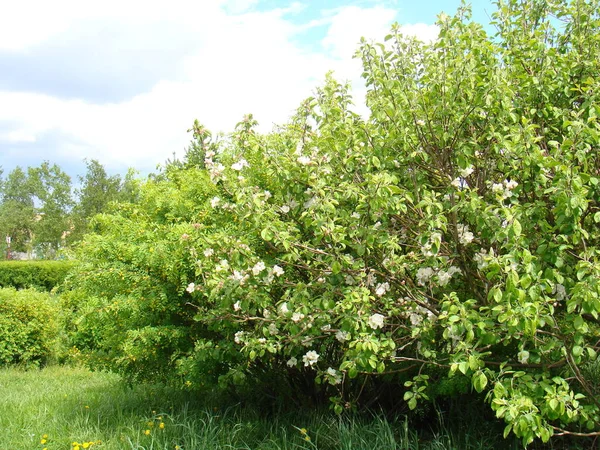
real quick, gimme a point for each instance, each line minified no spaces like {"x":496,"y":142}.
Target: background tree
{"x":51,"y":188}
{"x":17,"y":210}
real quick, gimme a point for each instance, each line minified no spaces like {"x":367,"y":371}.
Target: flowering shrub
{"x":453,"y":233}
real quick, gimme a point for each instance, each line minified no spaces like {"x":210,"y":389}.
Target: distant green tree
{"x":17,"y":211}
{"x":51,"y":188}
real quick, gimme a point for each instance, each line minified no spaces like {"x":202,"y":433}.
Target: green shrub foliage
{"x":39,"y":274}
{"x":29,"y":327}
{"x":452,"y":235}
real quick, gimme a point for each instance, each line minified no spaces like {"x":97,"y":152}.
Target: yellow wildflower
{"x":147,"y":432}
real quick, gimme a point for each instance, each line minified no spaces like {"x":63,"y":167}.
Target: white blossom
{"x":191,"y":288}
{"x":237,"y":337}
{"x":285,"y":209}
{"x":209,"y":252}
{"x":376,"y":321}
{"x":464,"y":235}
{"x":443,"y":277}
{"x":423,"y":275}
{"x":239,"y":276}
{"x":466,"y":171}
{"x":237,"y":306}
{"x":277,"y":270}
{"x":497,"y":188}
{"x":336,"y":377}
{"x":267,"y":195}
{"x":273,"y":330}
{"x":510,"y":185}
{"x":342,"y":336}
{"x":297,"y":317}
{"x":456,"y":183}
{"x":258,"y":268}
{"x":304,"y":160}
{"x":310,"y":358}
{"x":283,"y":308}
{"x":523,"y":356}
{"x":355,"y":215}
{"x":215,"y":201}
{"x":240,"y":165}
{"x":453,"y":270}
{"x":262,"y":340}
{"x":381,"y":289}
{"x":223,"y":265}
{"x":292,"y":362}
{"x":421,"y":122}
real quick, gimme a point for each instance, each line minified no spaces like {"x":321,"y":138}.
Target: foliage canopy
{"x":453,"y":235}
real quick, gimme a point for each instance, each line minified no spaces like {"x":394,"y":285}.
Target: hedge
{"x":33,"y":274}
{"x":29,"y":326}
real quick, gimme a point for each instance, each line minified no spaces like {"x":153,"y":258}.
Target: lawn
{"x":69,"y":408}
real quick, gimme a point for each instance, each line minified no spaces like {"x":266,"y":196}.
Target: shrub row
{"x":29,"y":326}
{"x":33,"y":274}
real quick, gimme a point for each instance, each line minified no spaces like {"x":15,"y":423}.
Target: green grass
{"x":75,"y":405}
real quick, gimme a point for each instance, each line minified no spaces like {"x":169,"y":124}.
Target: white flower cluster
{"x":342,"y":336}
{"x":240,"y":165}
{"x":464,"y":235}
{"x":425,"y":274}
{"x":483,"y":258}
{"x":504,"y":190}
{"x":381,"y":289}
{"x":238,"y":337}
{"x":191,"y":287}
{"x":310,"y":358}
{"x":335,"y":377}
{"x":215,"y":170}
{"x":376,"y":321}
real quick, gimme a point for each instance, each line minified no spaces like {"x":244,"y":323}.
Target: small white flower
{"x":381,"y":289}
{"x":292,"y":362}
{"x":464,"y":235}
{"x":267,"y":195}
{"x":510,"y":185}
{"x":443,"y":278}
{"x":209,"y":154}
{"x":453,"y":270}
{"x":415,"y":319}
{"x":336,"y":377}
{"x":238,"y":336}
{"x":223,"y":265}
{"x":215,"y":201}
{"x":277,"y":270}
{"x":258,"y":268}
{"x":240,"y":165}
{"x":523,"y":356}
{"x":191,"y":288}
{"x":285,"y":209}
{"x":326,"y":327}
{"x":376,"y":321}
{"x":342,"y":336}
{"x":262,"y":340}
{"x":456,"y":183}
{"x":283,"y":308}
{"x":310,"y":358}
{"x":355,"y":215}
{"x":297,"y":317}
{"x":466,"y":172}
{"x":497,"y":188}
{"x":209,"y":252}
{"x":237,"y":306}
{"x":423,"y":275}
{"x":421,"y":122}
{"x":304,"y":160}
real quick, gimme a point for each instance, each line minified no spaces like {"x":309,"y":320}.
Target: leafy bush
{"x":452,"y":235}
{"x":29,"y":327}
{"x":39,"y":274}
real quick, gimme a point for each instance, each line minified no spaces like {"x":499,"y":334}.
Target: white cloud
{"x":241,"y":62}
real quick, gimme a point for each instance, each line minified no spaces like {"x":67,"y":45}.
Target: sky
{"x":121,"y":81}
